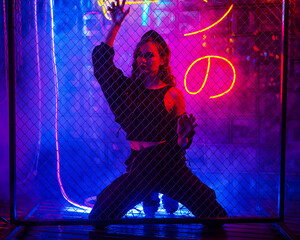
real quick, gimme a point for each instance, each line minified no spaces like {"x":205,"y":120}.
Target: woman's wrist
{"x":111,"y":34}
{"x":116,"y":25}
{"x":182,"y":141}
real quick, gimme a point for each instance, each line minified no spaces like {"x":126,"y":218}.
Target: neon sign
{"x":146,"y":8}
{"x":86,"y":30}
{"x":206,"y":76}
{"x":214,"y":24}
{"x":107,"y":3}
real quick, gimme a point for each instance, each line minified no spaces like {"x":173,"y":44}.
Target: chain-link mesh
{"x":71,"y":132}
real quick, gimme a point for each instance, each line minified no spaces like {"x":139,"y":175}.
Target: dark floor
{"x":191,"y":231}
{"x":159,"y":231}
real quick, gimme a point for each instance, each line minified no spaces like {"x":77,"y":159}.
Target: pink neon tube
{"x":56,"y":118}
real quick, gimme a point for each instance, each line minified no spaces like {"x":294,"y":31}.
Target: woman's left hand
{"x":186,"y":127}
{"x":117,"y":12}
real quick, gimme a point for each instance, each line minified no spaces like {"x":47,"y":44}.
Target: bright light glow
{"x":77,"y":210}
{"x":136,"y":211}
{"x":204,"y":29}
{"x":56,"y":116}
{"x":146,"y":8}
{"x":206,"y":76}
{"x":106,"y":3}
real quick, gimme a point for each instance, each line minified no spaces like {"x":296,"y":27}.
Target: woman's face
{"x":148,"y":59}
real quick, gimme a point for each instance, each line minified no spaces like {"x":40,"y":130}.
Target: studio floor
{"x":155,"y":231}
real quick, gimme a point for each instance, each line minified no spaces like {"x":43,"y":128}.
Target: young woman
{"x":151,"y":110}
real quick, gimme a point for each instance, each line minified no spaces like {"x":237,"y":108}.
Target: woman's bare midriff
{"x":138,"y":146}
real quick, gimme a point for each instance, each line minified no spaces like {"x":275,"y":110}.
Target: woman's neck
{"x":153,"y":83}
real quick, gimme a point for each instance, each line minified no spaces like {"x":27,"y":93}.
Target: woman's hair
{"x":164,"y":51}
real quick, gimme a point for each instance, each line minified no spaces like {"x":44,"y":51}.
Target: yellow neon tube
{"x":233,"y":80}
{"x":204,"y":29}
{"x":204,"y":82}
{"x":140,"y":2}
{"x":104,"y":7}
{"x":207,"y":71}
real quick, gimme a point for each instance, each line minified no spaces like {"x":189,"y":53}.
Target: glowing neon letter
{"x":206,"y":76}
{"x":105,"y":4}
{"x":214,"y":24}
{"x":88,"y":16}
{"x":146,"y":8}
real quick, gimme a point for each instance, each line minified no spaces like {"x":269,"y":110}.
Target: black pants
{"x":156,"y":169}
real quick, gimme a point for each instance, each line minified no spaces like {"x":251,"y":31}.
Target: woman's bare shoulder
{"x":174,"y":101}
{"x":175,"y":93}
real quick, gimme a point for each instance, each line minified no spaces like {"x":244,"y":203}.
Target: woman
{"x":151,"y":110}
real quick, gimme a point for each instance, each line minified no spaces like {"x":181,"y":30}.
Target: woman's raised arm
{"x":117,"y":15}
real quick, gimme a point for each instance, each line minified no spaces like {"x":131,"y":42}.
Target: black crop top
{"x":140,"y":112}
{"x":151,"y":120}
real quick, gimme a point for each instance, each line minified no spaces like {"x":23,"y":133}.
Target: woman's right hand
{"x":117,"y":12}
{"x":186,"y":130}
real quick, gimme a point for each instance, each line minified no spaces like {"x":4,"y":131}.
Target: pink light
{"x":206,"y":76}
{"x":214,"y":24}
{"x":56,"y":117}
{"x":85,"y":17}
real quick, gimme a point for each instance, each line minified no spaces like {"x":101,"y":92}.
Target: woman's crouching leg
{"x":118,"y":198}
{"x":195,"y":195}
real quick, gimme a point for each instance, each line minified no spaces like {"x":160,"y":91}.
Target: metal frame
{"x":284,"y":78}
{"x":12,"y":108}
{"x":12,"y":148}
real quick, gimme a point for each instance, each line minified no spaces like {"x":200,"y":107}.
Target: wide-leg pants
{"x":156,"y":169}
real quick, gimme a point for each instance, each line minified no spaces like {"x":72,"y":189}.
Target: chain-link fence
{"x":75,"y":138}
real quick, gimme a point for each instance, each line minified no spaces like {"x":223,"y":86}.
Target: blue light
{"x":146,"y":7}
